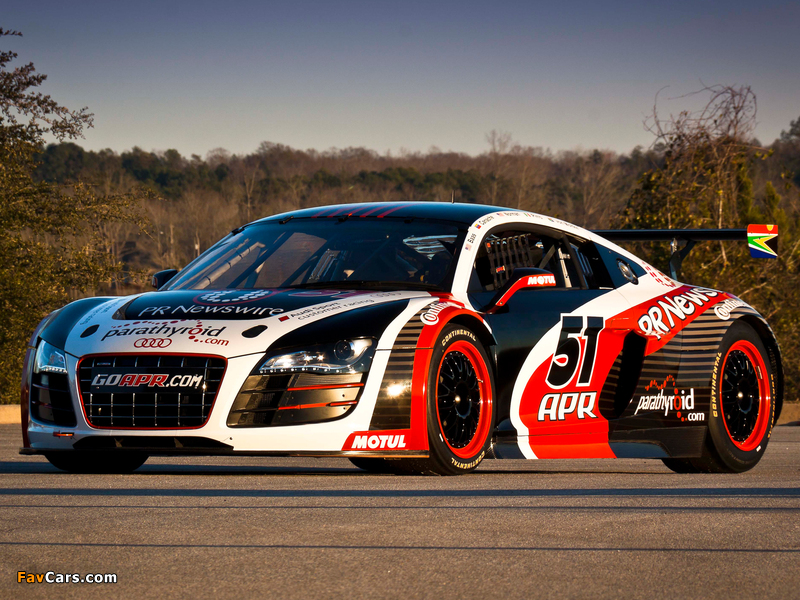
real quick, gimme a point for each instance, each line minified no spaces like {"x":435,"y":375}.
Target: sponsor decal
{"x":576,"y":351}
{"x":431,"y":316}
{"x":152,"y":343}
{"x":659,"y":277}
{"x":469,"y":241}
{"x":525,"y":282}
{"x":556,"y":407}
{"x":723,"y":309}
{"x":456,"y":332}
{"x":315,"y":311}
{"x":481,"y":222}
{"x":232,"y":296}
{"x":146,"y":380}
{"x":468,"y":465}
{"x":660,"y":318}
{"x":541,"y":280}
{"x":560,"y":223}
{"x":681,"y":403}
{"x":715,"y":384}
{"x":335,"y":305}
{"x":195,"y":332}
{"x":100,"y":310}
{"x":209,"y":340}
{"x":197,"y":309}
{"x":327,"y":293}
{"x":378,"y":442}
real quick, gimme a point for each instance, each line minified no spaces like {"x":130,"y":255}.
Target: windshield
{"x":357,"y":252}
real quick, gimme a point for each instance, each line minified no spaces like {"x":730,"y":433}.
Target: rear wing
{"x":761,"y":239}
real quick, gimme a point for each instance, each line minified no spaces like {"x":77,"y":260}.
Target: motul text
{"x":373,"y":442}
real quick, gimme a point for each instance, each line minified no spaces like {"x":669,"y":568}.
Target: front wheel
{"x":460,"y":404}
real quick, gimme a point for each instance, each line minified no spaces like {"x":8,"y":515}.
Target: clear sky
{"x":393,"y":74}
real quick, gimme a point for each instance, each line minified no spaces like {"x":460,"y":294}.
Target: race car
{"x":410,"y":338}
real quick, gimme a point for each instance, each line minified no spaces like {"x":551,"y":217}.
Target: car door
{"x":556,"y":345}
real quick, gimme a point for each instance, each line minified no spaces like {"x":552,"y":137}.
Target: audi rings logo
{"x":152,"y":343}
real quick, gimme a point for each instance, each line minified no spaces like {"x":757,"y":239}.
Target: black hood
{"x":230,"y":304}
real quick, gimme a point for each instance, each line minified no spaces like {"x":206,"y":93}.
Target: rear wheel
{"x":78,"y":462}
{"x":460,"y":405}
{"x":742,"y":404}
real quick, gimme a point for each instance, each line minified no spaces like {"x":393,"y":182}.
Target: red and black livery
{"x":411,"y":337}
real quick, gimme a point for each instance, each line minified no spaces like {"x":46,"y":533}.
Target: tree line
{"x":80,"y":222}
{"x":197,"y":199}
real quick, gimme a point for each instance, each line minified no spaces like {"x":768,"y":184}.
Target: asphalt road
{"x":313,"y":528}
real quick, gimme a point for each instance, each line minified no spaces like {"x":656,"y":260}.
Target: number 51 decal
{"x":576,"y":351}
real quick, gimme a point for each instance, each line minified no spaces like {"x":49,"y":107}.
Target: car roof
{"x":465,"y":214}
{"x":455,"y":212}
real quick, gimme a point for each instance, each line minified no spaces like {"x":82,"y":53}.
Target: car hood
{"x":221,"y":322}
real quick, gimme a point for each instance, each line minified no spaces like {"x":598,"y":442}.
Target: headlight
{"x":344,"y":356}
{"x":49,"y":359}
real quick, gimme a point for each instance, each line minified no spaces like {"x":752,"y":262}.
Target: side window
{"x":503,"y":251}
{"x":592,"y":266}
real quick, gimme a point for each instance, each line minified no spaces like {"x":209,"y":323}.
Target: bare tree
{"x":599,"y":180}
{"x":498,"y":160}
{"x":704,"y":150}
{"x":529,"y":171}
{"x":247,"y":173}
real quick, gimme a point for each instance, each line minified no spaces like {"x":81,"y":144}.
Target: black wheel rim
{"x":458,"y":399}
{"x":740,"y":396}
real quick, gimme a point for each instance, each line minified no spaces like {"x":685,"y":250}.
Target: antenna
{"x":452,"y":196}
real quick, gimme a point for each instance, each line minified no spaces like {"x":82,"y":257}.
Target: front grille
{"x":149,"y":391}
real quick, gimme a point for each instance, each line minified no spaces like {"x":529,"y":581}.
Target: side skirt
{"x":215,"y":452}
{"x":674,"y":442}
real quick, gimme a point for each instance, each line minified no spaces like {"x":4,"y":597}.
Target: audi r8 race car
{"x":410,"y":337}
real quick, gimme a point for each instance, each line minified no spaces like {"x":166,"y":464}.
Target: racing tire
{"x":116,"y":463}
{"x":460,"y":405}
{"x":742,"y":407}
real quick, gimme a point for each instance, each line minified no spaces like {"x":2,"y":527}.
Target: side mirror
{"x":162,"y":277}
{"x":521,"y":279}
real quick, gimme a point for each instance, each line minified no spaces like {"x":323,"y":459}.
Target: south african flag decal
{"x":763,"y":241}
